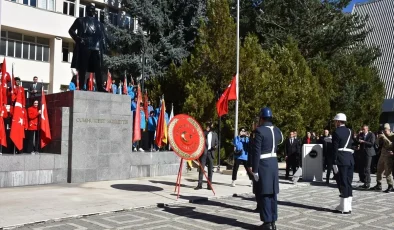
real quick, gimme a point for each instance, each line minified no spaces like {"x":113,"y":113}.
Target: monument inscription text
{"x":101,"y":121}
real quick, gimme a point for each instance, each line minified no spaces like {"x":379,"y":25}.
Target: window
{"x":113,"y":17}
{"x":32,"y":3}
{"x":69,"y":7}
{"x":65,"y":51}
{"x":24,"y":46}
{"x":82,"y":10}
{"x":99,"y":14}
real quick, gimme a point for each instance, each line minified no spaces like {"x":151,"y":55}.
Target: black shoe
{"x":364,"y":186}
{"x":377,"y":187}
{"x":389,"y":189}
{"x":198,"y":187}
{"x":273,"y":225}
{"x":266,"y":226}
{"x":209,"y":188}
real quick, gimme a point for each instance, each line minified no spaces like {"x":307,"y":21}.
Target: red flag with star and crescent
{"x":5,"y":77}
{"x":229,"y":94}
{"x":45,"y":136}
{"x":17,"y":126}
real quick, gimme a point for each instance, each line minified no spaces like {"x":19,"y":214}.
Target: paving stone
{"x":304,"y":207}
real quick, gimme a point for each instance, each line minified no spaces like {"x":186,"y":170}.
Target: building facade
{"x":381,"y":17}
{"x":34,"y":37}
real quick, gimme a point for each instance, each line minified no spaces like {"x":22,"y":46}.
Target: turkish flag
{"x":137,"y":119}
{"x":3,"y":138}
{"x":125,"y":86}
{"x":5,"y":76}
{"x":109,"y":82}
{"x":229,"y":94}
{"x":17,"y":126}
{"x":161,"y":131}
{"x":90,"y":84}
{"x":45,"y":130}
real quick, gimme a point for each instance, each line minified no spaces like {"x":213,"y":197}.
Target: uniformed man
{"x":385,"y":162}
{"x":265,"y":167}
{"x":343,"y":163}
{"x":250,"y":162}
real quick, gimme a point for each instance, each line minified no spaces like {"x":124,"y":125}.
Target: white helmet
{"x":340,"y":117}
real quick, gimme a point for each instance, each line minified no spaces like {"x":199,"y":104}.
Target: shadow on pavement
{"x":190,"y":213}
{"x":205,"y":201}
{"x":137,"y":187}
{"x":304,"y":206}
{"x":204,"y":181}
{"x":322,"y":184}
{"x":169,"y":183}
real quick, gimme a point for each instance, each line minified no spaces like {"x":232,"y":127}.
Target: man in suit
{"x":292,"y":154}
{"x":367,"y":150}
{"x":326,"y":141}
{"x":211,"y":143}
{"x":343,"y":163}
{"x":35,"y":88}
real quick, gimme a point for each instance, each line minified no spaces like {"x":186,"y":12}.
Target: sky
{"x":350,"y":6}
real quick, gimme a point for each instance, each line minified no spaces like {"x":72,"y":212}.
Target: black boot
{"x":199,"y":186}
{"x":389,"y":189}
{"x":273,"y":225}
{"x":377,"y":187}
{"x":267,"y":226}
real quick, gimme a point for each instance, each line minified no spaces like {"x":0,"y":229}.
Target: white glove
{"x":256,"y":176}
{"x":335,"y":168}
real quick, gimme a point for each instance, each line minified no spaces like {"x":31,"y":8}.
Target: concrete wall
{"x":21,"y":170}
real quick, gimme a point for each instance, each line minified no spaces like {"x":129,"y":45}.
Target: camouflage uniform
{"x":385,"y":162}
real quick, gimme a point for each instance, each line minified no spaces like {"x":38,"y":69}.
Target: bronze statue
{"x":90,"y":42}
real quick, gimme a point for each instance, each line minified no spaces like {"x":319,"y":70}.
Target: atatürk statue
{"x":90,"y":41}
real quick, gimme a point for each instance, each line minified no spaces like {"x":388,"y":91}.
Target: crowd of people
{"x":30,"y":106}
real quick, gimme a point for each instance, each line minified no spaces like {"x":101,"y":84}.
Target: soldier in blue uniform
{"x":265,"y":167}
{"x":343,"y":162}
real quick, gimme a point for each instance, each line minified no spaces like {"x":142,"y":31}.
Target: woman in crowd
{"x":241,"y":144}
{"x":73,"y":84}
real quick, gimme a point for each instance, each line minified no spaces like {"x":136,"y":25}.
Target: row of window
{"x":42,"y":4}
{"x":113,"y":16}
{"x":23,"y":46}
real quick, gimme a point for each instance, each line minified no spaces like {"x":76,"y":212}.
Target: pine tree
{"x":166,"y":34}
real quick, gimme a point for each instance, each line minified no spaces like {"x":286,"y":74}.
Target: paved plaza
{"x":300,"y":207}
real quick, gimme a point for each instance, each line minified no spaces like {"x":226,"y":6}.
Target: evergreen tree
{"x":166,"y":33}
{"x":319,"y":27}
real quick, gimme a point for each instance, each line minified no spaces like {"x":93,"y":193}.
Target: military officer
{"x":265,"y":167}
{"x":250,"y":162}
{"x":385,"y":162}
{"x":343,"y":162}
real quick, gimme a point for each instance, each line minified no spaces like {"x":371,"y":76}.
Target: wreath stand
{"x":178,"y":180}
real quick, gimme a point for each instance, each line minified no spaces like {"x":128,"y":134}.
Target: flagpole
{"x":39,"y":121}
{"x":237,"y":75}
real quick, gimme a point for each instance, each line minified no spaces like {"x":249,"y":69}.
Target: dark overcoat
{"x":265,"y":143}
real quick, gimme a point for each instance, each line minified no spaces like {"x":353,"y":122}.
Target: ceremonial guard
{"x":343,"y":164}
{"x":250,"y":162}
{"x":265,"y":167}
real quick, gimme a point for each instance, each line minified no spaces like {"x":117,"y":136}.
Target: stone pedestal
{"x":312,"y":162}
{"x":91,"y":141}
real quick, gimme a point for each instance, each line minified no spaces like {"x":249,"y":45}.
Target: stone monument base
{"x":91,"y":141}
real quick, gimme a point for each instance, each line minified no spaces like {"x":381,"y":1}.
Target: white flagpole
{"x":237,"y":76}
